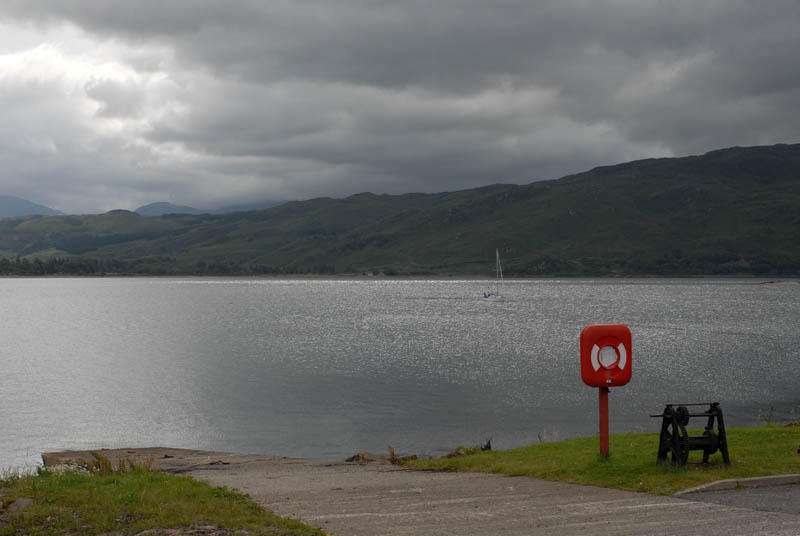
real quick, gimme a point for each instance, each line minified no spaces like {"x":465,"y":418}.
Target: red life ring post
{"x":606,"y":355}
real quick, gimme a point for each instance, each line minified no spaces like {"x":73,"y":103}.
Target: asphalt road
{"x":769,"y":499}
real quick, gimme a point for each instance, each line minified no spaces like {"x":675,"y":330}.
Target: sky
{"x":117,"y":104}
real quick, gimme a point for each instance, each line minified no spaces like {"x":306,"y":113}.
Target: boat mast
{"x":498,"y":270}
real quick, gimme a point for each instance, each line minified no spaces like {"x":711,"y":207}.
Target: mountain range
{"x":164,"y":208}
{"x":11,"y":206}
{"x":730,"y":211}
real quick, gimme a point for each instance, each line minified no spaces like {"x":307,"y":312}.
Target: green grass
{"x":128,"y":502}
{"x":631,"y":465}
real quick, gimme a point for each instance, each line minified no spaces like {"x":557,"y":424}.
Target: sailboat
{"x":497,"y":294}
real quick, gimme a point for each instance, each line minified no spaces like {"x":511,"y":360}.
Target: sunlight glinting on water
{"x":327,"y":367}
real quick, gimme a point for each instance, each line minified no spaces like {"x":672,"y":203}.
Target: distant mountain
{"x":730,"y":211}
{"x":11,"y":207}
{"x":247,"y":207}
{"x":162,"y":208}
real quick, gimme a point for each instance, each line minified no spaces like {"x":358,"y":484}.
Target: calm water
{"x":325,"y":368}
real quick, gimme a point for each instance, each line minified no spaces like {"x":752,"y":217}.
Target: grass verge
{"x":131,"y":501}
{"x":631,"y":465}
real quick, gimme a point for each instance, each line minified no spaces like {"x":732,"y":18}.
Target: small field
{"x":631,"y":465}
{"x":132,"y":501}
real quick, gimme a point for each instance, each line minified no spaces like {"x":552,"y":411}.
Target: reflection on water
{"x":324,"y":368}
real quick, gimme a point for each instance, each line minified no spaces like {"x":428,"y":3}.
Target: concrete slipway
{"x":348,"y":499}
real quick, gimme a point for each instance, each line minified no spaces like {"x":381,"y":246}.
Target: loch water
{"x":325,"y":368}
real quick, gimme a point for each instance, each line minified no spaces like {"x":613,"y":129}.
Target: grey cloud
{"x":116,"y":98}
{"x":318,"y":98}
{"x":450,"y":45}
{"x":403,"y":140}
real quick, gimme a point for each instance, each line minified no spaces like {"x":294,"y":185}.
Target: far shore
{"x":427,"y":277}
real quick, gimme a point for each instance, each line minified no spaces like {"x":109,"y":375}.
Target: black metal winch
{"x":675,"y":442}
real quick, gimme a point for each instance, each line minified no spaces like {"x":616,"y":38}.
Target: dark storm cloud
{"x":289,"y":99}
{"x":452,"y":45}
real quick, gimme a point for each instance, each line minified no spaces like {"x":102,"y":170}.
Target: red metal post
{"x":603,"y":421}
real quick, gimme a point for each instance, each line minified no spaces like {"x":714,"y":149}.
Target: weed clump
{"x":467,"y":451}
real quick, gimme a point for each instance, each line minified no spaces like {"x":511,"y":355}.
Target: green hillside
{"x":731,"y":211}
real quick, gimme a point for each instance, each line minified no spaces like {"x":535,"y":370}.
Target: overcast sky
{"x":117,"y":104}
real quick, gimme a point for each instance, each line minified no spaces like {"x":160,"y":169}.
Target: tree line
{"x":148,"y":266}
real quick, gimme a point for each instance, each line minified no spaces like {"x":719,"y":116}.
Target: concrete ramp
{"x":347,"y":499}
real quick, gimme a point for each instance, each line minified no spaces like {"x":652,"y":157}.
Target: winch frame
{"x":675,"y":443}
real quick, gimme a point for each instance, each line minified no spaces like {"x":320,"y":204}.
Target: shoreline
{"x":179,"y":460}
{"x":364,"y":499}
{"x":426,"y":277}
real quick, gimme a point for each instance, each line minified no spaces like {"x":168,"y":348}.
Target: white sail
{"x":497,"y":295}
